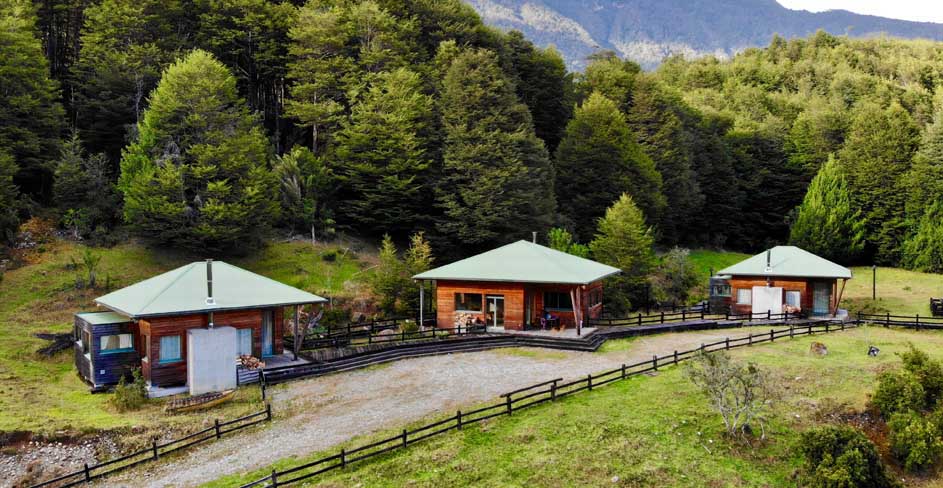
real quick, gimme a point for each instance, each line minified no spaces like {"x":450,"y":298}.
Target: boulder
{"x":818,"y":349}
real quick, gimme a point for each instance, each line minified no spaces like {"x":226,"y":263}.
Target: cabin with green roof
{"x":150,"y":325}
{"x":516,"y":287}
{"x":780,"y":279}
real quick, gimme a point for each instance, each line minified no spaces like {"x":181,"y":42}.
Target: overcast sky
{"x":920,"y":10}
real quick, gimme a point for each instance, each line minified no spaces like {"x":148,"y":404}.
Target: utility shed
{"x":783,"y":278}
{"x":515,"y":285}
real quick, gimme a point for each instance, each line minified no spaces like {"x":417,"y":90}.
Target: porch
{"x":245,"y":375}
{"x":570,"y":333}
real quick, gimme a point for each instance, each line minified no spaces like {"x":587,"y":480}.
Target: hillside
{"x":647,"y":31}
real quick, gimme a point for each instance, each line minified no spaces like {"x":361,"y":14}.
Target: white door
{"x":767,"y":299}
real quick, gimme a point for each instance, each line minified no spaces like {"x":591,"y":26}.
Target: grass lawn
{"x":647,"y":431}
{"x":898,"y":290}
{"x":46,"y":396}
{"x":705,"y":261}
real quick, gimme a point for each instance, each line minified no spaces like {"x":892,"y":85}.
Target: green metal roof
{"x":522,"y":262}
{"x":103,"y":318}
{"x":787,"y":261}
{"x":184,"y":290}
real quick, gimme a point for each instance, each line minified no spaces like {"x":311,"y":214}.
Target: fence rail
{"x":156,"y":451}
{"x":546,"y":391}
{"x":371,"y":333}
{"x":685,"y":315}
{"x":915,"y":321}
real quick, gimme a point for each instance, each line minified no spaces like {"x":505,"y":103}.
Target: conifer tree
{"x":383,"y":157}
{"x":30,"y":113}
{"x":923,"y":251}
{"x":84,"y":185}
{"x":496,"y":181}
{"x":624,"y":240}
{"x":307,"y":186}
{"x":924,"y":181}
{"x":877,"y":152}
{"x":9,"y":199}
{"x":597,"y":161}
{"x":826,"y":223}
{"x":197,"y":174}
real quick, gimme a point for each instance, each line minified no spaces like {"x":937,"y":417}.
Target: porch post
{"x":422,"y":295}
{"x":296,"y":345}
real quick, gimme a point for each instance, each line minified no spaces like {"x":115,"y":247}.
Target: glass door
{"x":821,"y":296}
{"x":268,"y":331}
{"x":495,"y":315}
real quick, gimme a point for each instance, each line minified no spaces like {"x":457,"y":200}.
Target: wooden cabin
{"x":784,"y":278}
{"x":515,"y":286}
{"x":147,"y":325}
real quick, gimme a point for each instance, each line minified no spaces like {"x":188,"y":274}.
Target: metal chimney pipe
{"x":534,"y":238}
{"x":209,"y":290}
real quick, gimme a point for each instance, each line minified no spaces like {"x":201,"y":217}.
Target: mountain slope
{"x":648,"y":30}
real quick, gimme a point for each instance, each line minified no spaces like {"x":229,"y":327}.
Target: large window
{"x":170,"y":349}
{"x":744,"y":296}
{"x":722,"y":290}
{"x":554,"y":300}
{"x":245,"y":342}
{"x":116,"y":343}
{"x":793,"y":298}
{"x":468,"y":302}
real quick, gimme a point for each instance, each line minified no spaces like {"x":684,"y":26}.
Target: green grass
{"x":46,"y":396}
{"x":706,"y":260}
{"x":898,"y":290}
{"x":647,"y":431}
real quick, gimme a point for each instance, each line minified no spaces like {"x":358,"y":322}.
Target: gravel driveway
{"x":315,"y":414}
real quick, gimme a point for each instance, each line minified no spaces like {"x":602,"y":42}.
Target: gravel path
{"x":315,"y":414}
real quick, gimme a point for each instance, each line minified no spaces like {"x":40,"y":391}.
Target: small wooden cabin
{"x":146,"y":324}
{"x":784,"y":278}
{"x":513,"y":286}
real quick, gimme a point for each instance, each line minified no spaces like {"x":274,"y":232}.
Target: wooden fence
{"x":368,"y":333}
{"x":914,"y":322}
{"x":686,"y":315}
{"x":546,"y":391}
{"x":156,"y":451}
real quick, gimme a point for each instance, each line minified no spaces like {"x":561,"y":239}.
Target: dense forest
{"x":212,"y":124}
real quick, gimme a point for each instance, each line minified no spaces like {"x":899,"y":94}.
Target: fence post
{"x":343,"y":458}
{"x":663,"y":316}
{"x":268,"y":411}
{"x":655,"y":362}
{"x":826,"y":327}
{"x":640,"y":319}
{"x":918,"y":322}
{"x":216,"y":426}
{"x":843,"y":326}
{"x":726,"y":315}
{"x":727,"y":343}
{"x":589,"y":381}
{"x":553,"y":387}
{"x":88,"y":476}
{"x":154,"y":447}
{"x":623,"y":373}
{"x":810,"y":329}
{"x":262,"y":383}
{"x":791,"y":331}
{"x":887,"y":322}
{"x":404,"y":438}
{"x":458,"y":417}
{"x":509,"y":408}
{"x":769,"y":314}
{"x":772,"y":337}
{"x":676,"y":356}
{"x":274,"y":479}
{"x":682,"y":315}
{"x":750,"y":343}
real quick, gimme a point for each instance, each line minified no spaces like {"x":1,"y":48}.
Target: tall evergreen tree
{"x":924,"y":181}
{"x":877,"y":152}
{"x":654,"y":117}
{"x":308,"y":186}
{"x":826,"y":224}
{"x":30,"y":114}
{"x":85,"y":186}
{"x":923,"y":250}
{"x":383,"y":155}
{"x":611,"y":76}
{"x":125,"y":46}
{"x":9,"y":199}
{"x":197,"y":173}
{"x":597,"y":161}
{"x":497,"y":182}
{"x":624,"y":240}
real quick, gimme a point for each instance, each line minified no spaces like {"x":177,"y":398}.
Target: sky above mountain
{"x":916,"y":10}
{"x":647,"y":31}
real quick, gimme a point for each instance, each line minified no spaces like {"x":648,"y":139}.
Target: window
{"x":793,"y":298}
{"x":245,"y":342}
{"x":116,"y":343}
{"x":85,"y":339}
{"x":744,"y":296}
{"x":720,"y":290}
{"x":555,"y":300}
{"x":468,"y":302}
{"x":169,"y":349}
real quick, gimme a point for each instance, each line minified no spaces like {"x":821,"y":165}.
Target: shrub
{"x":898,"y":391}
{"x":329,"y":256}
{"x":914,"y":440}
{"x":409,"y":326}
{"x":928,"y":372}
{"x":130,"y":396}
{"x":841,"y":457}
{"x":741,"y":393}
{"x":334,"y":316}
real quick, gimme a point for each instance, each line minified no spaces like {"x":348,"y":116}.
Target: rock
{"x":615,"y":479}
{"x":818,"y":349}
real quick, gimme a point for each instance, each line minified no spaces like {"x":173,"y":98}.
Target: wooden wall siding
{"x":82,"y":363}
{"x":104,"y":368}
{"x":513,"y":301}
{"x":514,"y":305}
{"x":176,"y":373}
{"x":804,"y":285}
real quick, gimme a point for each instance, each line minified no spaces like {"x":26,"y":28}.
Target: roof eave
{"x":207,"y":310}
{"x":508,"y":280}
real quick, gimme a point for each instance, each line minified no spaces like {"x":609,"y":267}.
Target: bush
{"x":914,"y":440}
{"x":898,"y":391}
{"x":927,"y":371}
{"x":334,"y":316}
{"x":740,"y":393}
{"x":841,"y":457}
{"x":865,"y":306}
{"x":409,"y":326}
{"x":130,"y":396}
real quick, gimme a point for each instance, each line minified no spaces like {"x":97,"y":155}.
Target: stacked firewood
{"x":250,"y":362}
